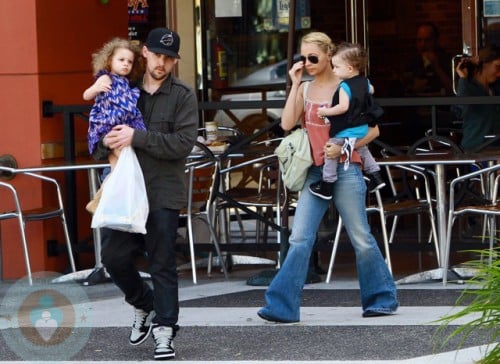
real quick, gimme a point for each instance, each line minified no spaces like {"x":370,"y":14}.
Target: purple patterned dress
{"x":116,"y":107}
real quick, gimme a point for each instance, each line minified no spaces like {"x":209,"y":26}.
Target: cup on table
{"x":211,"y":130}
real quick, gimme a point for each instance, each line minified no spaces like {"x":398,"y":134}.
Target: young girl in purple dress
{"x":115,"y":65}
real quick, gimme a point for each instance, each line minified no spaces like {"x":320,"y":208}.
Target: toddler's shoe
{"x":322,"y":189}
{"x":376,"y":182}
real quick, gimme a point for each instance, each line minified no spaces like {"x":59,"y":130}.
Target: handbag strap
{"x":304,"y":95}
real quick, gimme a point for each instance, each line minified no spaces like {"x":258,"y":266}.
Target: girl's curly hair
{"x":101,"y":59}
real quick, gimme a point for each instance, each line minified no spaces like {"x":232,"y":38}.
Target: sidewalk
{"x":219,"y":325}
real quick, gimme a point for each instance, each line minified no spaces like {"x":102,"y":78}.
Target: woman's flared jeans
{"x":378,"y":290}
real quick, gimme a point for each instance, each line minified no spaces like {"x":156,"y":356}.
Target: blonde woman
{"x":284,"y":294}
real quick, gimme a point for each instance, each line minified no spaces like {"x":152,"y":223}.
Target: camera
{"x":465,"y":61}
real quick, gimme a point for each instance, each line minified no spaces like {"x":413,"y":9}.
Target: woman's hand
{"x":332,"y":151}
{"x":322,"y":112}
{"x":296,"y":72}
{"x":461,"y":69}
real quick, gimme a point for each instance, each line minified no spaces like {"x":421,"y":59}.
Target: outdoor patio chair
{"x":14,"y":208}
{"x":262,"y":195}
{"x":410,"y":195}
{"x":202,"y":173}
{"x":263,"y":192}
{"x":489,"y":209}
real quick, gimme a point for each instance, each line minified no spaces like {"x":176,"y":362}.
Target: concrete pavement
{"x":219,"y":325}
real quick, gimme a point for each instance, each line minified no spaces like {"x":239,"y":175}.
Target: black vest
{"x":357,"y":105}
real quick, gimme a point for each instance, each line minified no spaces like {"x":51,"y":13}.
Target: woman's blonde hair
{"x":320,"y":39}
{"x":101,"y":60}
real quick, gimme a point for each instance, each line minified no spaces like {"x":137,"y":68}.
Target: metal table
{"x":439,"y":160}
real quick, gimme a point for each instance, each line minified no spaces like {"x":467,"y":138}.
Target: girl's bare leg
{"x":92,"y":205}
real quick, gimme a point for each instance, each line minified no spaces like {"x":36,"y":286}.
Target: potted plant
{"x":483,"y":303}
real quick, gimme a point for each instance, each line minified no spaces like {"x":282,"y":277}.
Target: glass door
{"x":246,"y":50}
{"x":245,"y":46}
{"x":480,"y":27}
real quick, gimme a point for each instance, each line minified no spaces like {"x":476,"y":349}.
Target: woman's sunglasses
{"x":313,"y":59}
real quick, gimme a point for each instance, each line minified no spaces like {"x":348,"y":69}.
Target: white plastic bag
{"x":124,"y":201}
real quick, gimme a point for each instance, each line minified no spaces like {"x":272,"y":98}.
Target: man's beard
{"x":158,"y":76}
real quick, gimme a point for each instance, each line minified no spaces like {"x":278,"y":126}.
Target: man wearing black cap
{"x":170,"y":112}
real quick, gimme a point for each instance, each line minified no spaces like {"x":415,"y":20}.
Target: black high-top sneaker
{"x":376,"y":181}
{"x":322,"y":189}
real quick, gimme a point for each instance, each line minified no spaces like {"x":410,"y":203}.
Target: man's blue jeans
{"x":378,"y":290}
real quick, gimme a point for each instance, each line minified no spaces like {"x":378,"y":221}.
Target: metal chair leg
{"x":334,"y":249}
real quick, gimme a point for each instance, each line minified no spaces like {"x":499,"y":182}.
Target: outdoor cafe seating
{"x":15,"y":207}
{"x":223,"y":188}
{"x":489,"y":208}
{"x":409,"y":194}
{"x":202,"y":174}
{"x":439,"y":179}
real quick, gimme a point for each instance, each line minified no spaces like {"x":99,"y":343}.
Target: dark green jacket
{"x":171,"y":118}
{"x":478,"y":120}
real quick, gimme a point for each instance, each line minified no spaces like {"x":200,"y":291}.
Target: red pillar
{"x":47,"y":47}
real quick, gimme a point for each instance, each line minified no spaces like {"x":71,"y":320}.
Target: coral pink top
{"x":318,"y":131}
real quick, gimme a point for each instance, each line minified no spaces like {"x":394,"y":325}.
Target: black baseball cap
{"x":164,"y":41}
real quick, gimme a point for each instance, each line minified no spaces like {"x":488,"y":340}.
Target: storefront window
{"x":243,"y":36}
{"x":144,"y":15}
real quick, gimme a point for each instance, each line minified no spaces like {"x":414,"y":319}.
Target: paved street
{"x":219,"y":325}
